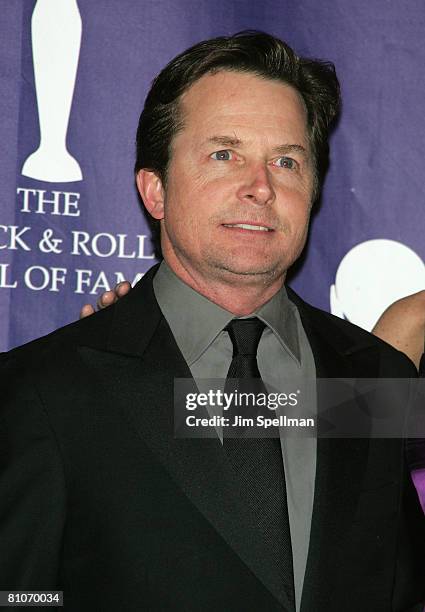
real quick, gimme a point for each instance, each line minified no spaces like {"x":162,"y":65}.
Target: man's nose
{"x":257,"y":186}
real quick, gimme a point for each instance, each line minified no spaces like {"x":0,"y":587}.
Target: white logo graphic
{"x":56,"y":39}
{"x":373,"y":275}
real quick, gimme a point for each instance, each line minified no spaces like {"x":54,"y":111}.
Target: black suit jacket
{"x":98,"y":499}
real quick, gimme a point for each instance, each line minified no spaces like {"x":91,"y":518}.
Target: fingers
{"x":110,"y":297}
{"x":86,"y":311}
{"x":106,"y":299}
{"x":122,"y":289}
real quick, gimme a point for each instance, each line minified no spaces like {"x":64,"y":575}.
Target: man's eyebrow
{"x":291,"y":148}
{"x":233,"y":141}
{"x":224,"y":141}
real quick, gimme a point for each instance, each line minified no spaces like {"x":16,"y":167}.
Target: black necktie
{"x":245,"y":335}
{"x":258,"y":461}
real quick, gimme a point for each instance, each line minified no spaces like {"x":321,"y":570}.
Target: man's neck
{"x":239,"y":294}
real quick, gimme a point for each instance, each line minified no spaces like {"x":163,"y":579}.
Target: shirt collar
{"x":195,"y":321}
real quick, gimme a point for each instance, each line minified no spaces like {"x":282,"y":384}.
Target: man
{"x":102,"y":500}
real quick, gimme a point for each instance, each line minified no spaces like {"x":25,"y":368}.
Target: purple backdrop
{"x":373,"y":190}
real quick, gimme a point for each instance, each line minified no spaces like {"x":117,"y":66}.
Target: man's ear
{"x":152,"y":192}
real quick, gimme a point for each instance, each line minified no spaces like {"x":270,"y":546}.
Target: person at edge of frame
{"x":403,"y":326}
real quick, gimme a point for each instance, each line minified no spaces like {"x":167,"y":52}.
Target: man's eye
{"x":224,"y":155}
{"x":286,"y":162}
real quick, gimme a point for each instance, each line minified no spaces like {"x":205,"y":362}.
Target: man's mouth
{"x":248,"y":226}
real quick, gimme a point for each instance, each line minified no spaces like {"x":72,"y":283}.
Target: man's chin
{"x":244,"y":272}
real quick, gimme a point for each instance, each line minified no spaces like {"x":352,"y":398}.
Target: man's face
{"x":240,"y":180}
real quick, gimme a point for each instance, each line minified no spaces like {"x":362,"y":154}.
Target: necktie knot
{"x":245,"y":335}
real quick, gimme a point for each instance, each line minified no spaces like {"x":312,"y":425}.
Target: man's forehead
{"x":239,"y":99}
{"x":232,"y":83}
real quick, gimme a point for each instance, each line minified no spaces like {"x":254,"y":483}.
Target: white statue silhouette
{"x":56,"y":39}
{"x":373,"y":275}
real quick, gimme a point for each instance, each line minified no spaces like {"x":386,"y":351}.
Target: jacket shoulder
{"x":351,"y":338}
{"x":92,"y":330}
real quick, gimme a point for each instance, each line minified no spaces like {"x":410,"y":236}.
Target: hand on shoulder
{"x":106,"y":299}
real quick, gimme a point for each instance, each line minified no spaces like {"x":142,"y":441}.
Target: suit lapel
{"x":138,"y":369}
{"x":341,"y":463}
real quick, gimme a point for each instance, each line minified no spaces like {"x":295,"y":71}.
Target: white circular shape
{"x":373,"y":275}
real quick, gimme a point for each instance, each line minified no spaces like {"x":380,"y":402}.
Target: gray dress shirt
{"x":283,"y":353}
